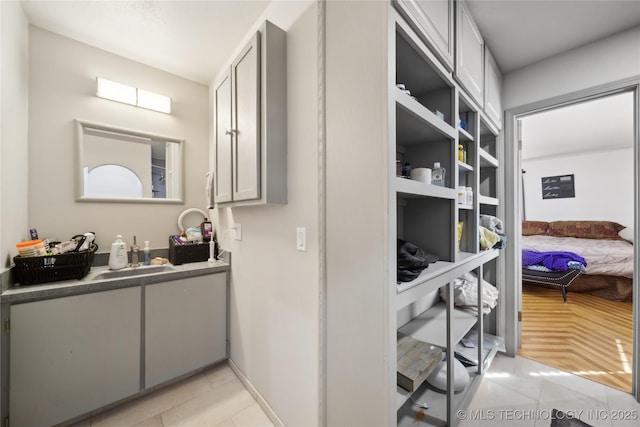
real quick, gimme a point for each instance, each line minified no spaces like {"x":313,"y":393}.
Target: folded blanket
{"x":487,"y":238}
{"x":492,"y":223}
{"x":555,"y":260}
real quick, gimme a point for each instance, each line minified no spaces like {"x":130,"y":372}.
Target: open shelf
{"x":464,"y":136}
{"x":437,"y":400}
{"x":408,"y":188}
{"x":431,"y":326}
{"x":486,"y":200}
{"x":463,"y":206}
{"x":464,"y":167}
{"x":487,"y":160}
{"x":417,"y":124}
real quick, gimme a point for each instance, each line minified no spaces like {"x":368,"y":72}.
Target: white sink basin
{"x":132,"y":271}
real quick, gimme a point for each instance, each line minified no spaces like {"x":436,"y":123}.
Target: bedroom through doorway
{"x":577,"y":195}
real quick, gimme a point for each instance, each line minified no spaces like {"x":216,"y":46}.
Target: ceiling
{"x":602,"y":124}
{"x":194,"y":39}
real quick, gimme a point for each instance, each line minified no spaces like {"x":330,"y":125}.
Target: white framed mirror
{"x":123,"y":165}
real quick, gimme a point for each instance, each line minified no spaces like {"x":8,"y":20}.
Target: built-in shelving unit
{"x":433,"y":120}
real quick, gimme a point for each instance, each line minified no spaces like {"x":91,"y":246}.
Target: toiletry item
{"x":398,"y":168}
{"x":118,"y":254}
{"x":212,"y":251}
{"x":469,"y":196}
{"x":135,"y":253}
{"x":421,"y":174}
{"x":437,"y":175}
{"x":147,"y":253}
{"x":207,"y":230}
{"x":462,"y":154}
{"x":33,"y":233}
{"x":406,"y":170}
{"x":462,"y":195}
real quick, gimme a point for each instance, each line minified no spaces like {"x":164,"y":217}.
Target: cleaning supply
{"x":207,"y":230}
{"x":147,"y":253}
{"x":118,"y":254}
{"x":437,"y":175}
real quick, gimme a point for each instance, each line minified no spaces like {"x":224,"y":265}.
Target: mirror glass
{"x":129,"y":166}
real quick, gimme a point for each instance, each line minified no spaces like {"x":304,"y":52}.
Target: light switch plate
{"x":301,"y":238}
{"x":238,"y":232}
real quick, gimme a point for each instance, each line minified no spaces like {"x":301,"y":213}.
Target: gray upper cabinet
{"x":492,"y":89}
{"x":433,"y":20}
{"x":469,"y":54}
{"x":223,"y":139}
{"x":250,"y":124}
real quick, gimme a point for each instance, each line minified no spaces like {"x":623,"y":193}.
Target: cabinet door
{"x":185,"y":326}
{"x":492,"y":89}
{"x":71,"y":355}
{"x":245,"y":72}
{"x":469,"y":54}
{"x":434,"y":21}
{"x":223,"y":135}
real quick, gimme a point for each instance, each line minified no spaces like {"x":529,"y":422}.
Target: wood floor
{"x":588,"y":336}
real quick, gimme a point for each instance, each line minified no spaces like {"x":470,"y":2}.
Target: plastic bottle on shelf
{"x":147,"y":253}
{"x":462,"y":195}
{"x":118,"y":254}
{"x":469,"y":196}
{"x":437,"y":176}
{"x":461,"y":153}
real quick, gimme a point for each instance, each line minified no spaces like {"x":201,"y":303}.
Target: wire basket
{"x":53,"y":268}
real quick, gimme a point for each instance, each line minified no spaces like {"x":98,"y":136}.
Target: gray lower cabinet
{"x":185,"y":326}
{"x":70,"y":355}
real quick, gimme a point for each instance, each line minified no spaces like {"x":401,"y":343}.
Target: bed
{"x":609,"y":257}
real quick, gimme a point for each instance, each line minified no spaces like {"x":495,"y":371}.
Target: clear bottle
{"x":118,"y":254}
{"x":437,"y":176}
{"x":147,"y":253}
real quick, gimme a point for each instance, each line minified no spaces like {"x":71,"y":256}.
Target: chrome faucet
{"x":135,"y":253}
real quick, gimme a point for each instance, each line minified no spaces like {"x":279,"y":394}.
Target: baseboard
{"x":256,"y":395}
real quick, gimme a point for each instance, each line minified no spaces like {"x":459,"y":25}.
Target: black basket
{"x":189,"y":252}
{"x":53,"y":268}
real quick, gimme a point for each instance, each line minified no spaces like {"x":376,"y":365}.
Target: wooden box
{"x":416,"y":360}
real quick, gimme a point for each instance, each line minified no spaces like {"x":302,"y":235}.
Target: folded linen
{"x":492,"y":223}
{"x":487,"y":238}
{"x":465,"y":293}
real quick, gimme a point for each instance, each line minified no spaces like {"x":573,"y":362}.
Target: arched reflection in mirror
{"x":130,"y":166}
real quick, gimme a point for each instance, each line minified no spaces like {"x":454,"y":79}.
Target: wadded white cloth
{"x":492,"y":223}
{"x":210,"y":190}
{"x":465,"y":293}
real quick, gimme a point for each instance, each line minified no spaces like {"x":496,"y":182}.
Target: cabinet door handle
{"x":230,"y":132}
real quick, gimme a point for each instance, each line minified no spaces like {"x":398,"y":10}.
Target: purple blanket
{"x":555,"y":260}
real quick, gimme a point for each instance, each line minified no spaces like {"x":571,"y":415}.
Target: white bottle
{"x":118,"y":254}
{"x":147,"y":253}
{"x":437,"y":175}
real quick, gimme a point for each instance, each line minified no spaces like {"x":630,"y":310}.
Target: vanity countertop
{"x":92,"y":283}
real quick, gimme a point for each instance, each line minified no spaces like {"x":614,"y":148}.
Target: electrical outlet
{"x":301,"y":238}
{"x":238,"y":232}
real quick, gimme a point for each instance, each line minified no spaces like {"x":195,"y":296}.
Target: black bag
{"x":412,"y":260}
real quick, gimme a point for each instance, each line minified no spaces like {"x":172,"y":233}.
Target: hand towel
{"x":210,"y":191}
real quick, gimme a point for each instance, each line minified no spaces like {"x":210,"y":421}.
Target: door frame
{"x":513,"y":199}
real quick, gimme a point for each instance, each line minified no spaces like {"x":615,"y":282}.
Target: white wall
{"x":359,"y":331}
{"x":14,"y":223}
{"x":274,"y":315}
{"x":607,"y":60}
{"x":603,"y":186}
{"x":62,"y":88}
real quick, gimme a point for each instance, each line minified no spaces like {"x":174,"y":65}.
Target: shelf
{"x":416,"y":124}
{"x":438,"y":400}
{"x":439,"y":274}
{"x":408,"y":188}
{"x":431,"y":326}
{"x":462,"y":166}
{"x":487,"y":160}
{"x":464,"y":136}
{"x":467,"y":207}
{"x":486,"y":200}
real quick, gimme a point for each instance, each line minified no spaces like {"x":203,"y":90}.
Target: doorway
{"x":514,"y":186}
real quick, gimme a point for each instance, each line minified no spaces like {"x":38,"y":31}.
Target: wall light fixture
{"x":133,"y":96}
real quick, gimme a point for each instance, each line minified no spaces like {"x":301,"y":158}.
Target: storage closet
{"x":433,"y":119}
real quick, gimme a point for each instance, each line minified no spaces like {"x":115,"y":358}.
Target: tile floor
{"x":213,"y":398}
{"x":522,"y":392}
{"x":514,"y":392}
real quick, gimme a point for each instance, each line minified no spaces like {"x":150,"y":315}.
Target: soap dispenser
{"x":118,"y":254}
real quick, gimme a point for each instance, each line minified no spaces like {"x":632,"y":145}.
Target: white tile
{"x":587,"y":409}
{"x":151,"y":422}
{"x":139,"y":410}
{"x":227,"y":423}
{"x":491,"y":395}
{"x":253,"y":416}
{"x":220,"y":374}
{"x":520,"y":415}
{"x":211,"y":408}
